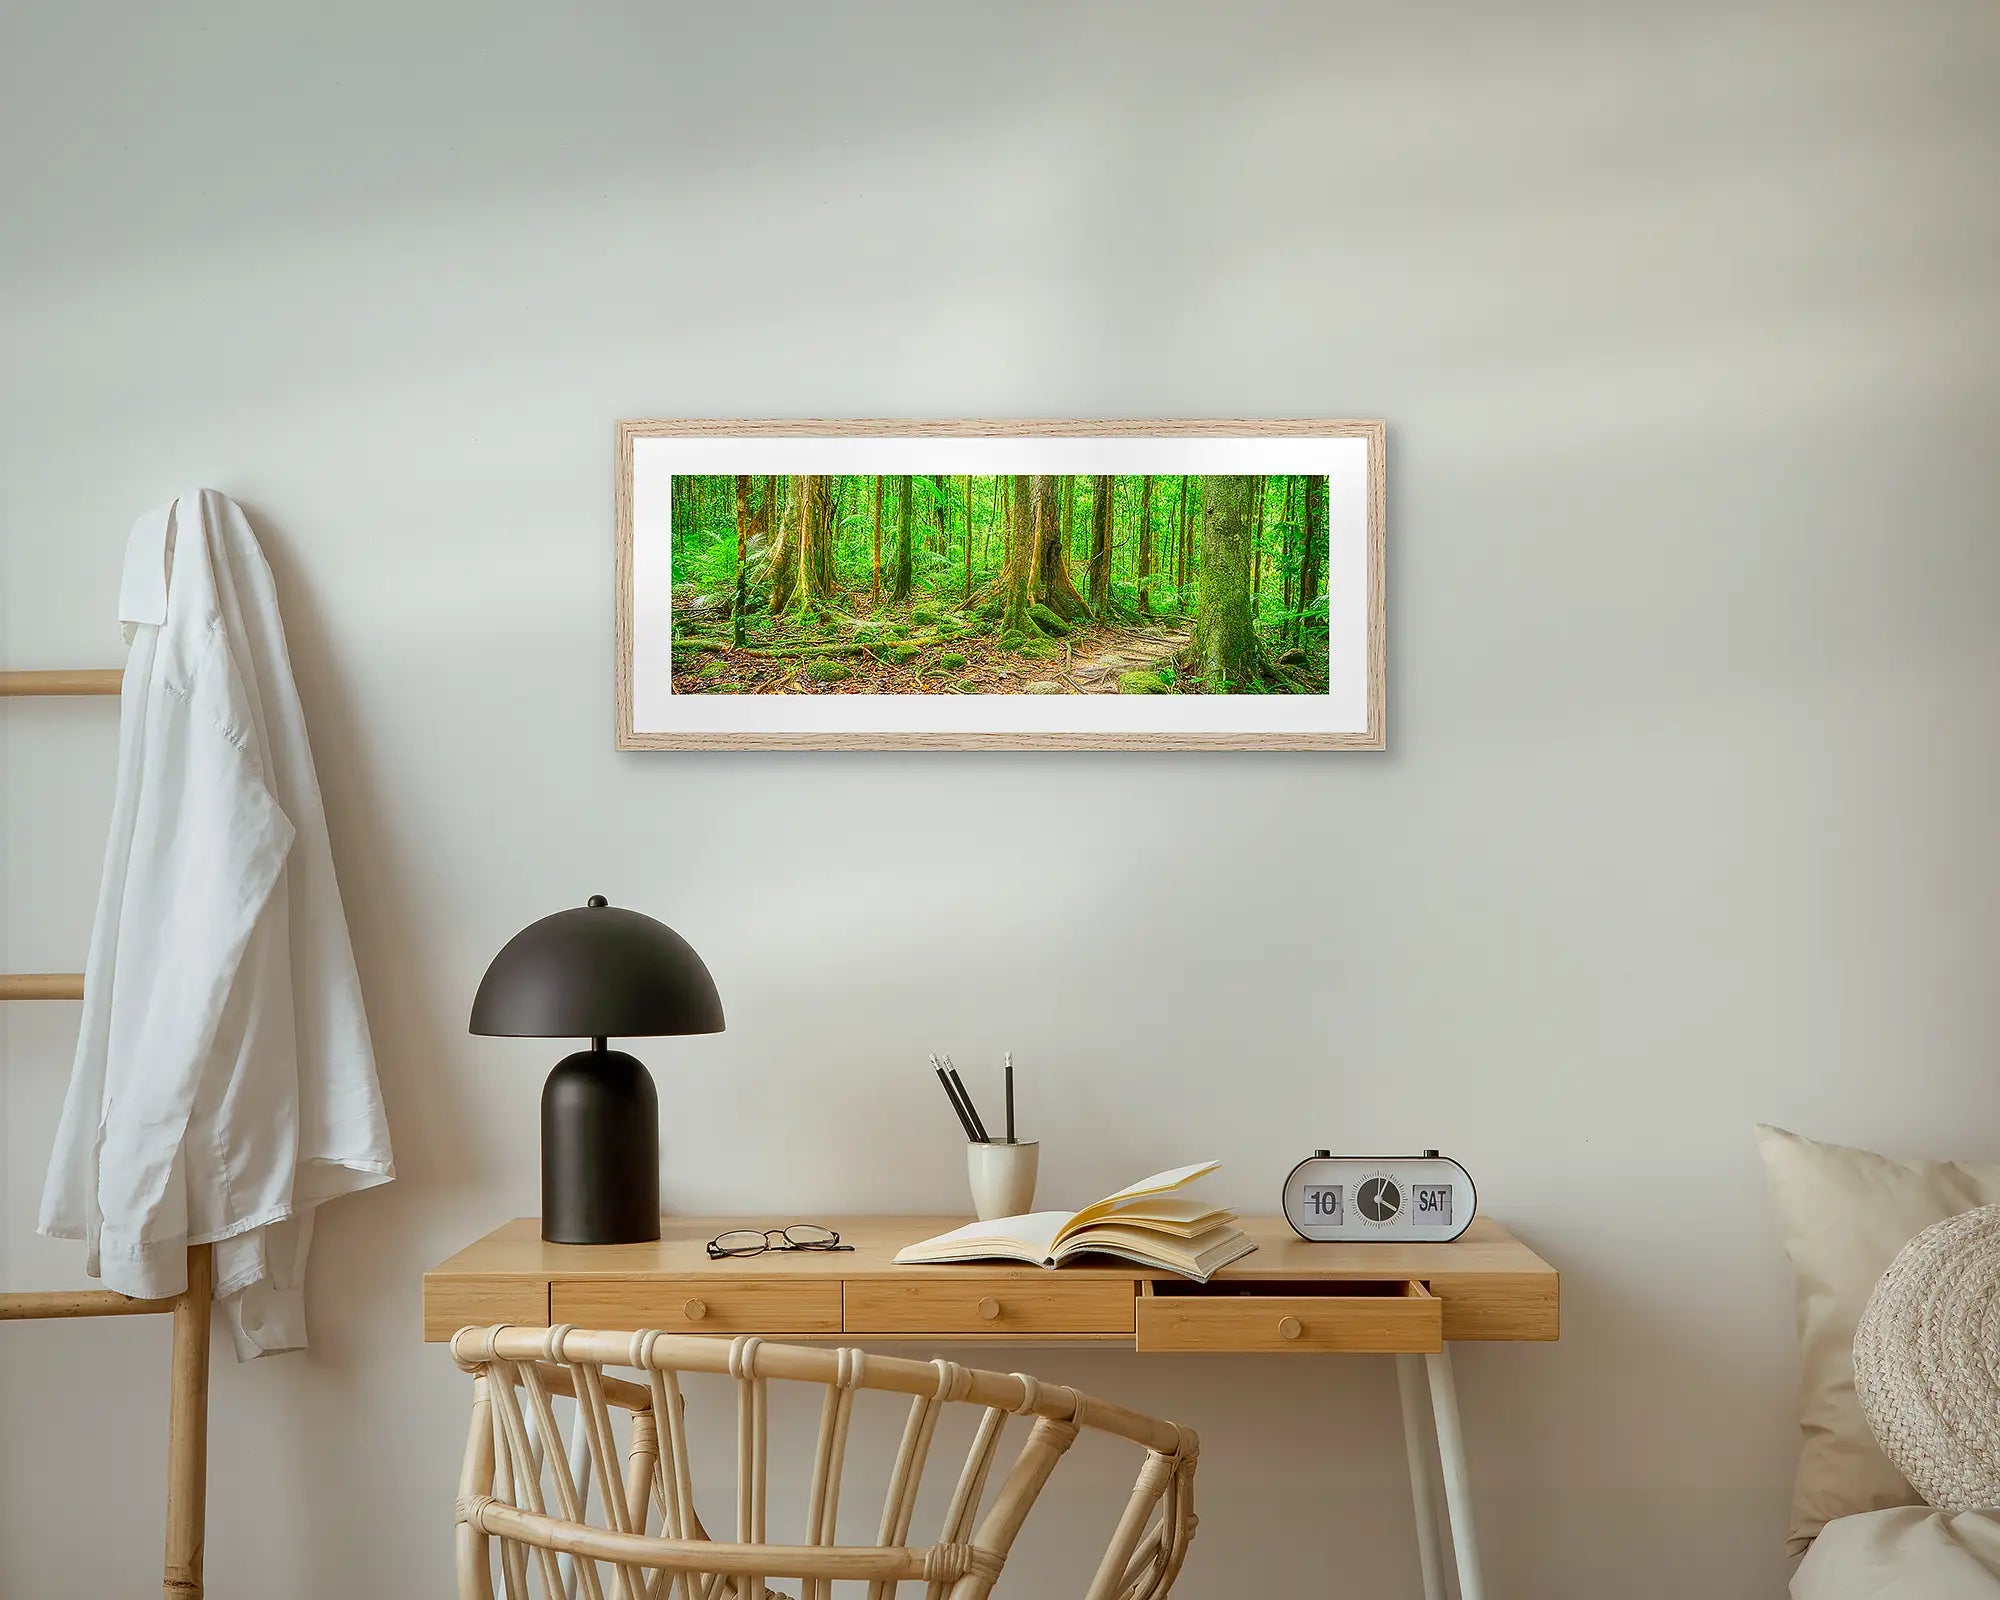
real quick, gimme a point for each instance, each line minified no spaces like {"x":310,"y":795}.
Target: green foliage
{"x":824,"y":669}
{"x":1144,"y":683}
{"x":959,"y":538}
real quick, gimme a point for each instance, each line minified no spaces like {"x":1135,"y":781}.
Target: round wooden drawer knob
{"x":695,"y":1310}
{"x":1289,"y":1327}
{"x":989,"y":1309}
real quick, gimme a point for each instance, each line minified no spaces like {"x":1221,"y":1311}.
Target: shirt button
{"x":252,"y":1323}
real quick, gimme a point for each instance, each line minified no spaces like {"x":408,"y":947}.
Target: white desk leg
{"x":1417,"y":1446}
{"x":1457,"y":1487}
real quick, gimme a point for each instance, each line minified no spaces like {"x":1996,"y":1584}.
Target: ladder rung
{"x":41,"y":986}
{"x":83,"y":680}
{"x":41,"y":1304}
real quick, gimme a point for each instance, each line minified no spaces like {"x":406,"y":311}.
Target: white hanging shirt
{"x":224,"y":1083}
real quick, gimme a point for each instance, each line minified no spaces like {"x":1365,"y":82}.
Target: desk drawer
{"x":1238,"y":1316}
{"x":698,"y":1304}
{"x":1042,"y":1303}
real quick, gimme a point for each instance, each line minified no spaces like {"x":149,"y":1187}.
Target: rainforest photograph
{"x":938,"y":584}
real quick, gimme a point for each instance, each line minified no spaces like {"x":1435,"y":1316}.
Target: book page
{"x":1166,"y":1211}
{"x":1191,"y":1258}
{"x":1031,"y":1236}
{"x":1158,"y":1184}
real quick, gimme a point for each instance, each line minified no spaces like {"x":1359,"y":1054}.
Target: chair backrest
{"x":520,"y":1488}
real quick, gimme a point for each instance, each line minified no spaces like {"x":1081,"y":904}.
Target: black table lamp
{"x":598,"y":972}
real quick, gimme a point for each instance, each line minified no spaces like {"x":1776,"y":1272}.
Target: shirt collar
{"x":142,"y":591}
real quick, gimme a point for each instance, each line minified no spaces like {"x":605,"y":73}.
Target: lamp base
{"x":600,"y":1150}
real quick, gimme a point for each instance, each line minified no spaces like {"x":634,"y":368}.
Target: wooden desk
{"x":1406,"y":1300}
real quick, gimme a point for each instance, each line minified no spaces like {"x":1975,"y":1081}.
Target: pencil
{"x":965,"y":1096}
{"x":1010,"y":1097}
{"x":964,"y":1121}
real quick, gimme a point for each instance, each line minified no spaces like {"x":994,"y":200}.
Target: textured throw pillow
{"x":1927,"y":1361}
{"x":1844,"y":1214}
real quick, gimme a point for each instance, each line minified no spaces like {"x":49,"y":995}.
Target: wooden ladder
{"x":187,"y":1413}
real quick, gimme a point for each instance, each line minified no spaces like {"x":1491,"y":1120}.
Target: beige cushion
{"x":1909,"y":1553}
{"x":1844,"y":1214}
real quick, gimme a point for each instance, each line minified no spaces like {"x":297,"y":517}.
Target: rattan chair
{"x":520,"y":1488}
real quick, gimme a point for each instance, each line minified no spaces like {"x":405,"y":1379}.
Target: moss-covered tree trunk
{"x":1052,"y":582}
{"x":681,"y":506}
{"x":1315,"y":551}
{"x":1183,"y":551}
{"x":1017,"y":574}
{"x":826,"y":575}
{"x":1257,"y":549}
{"x":1225,"y":656}
{"x":1288,"y":566}
{"x":965,"y":503}
{"x":905,"y":528}
{"x":784,"y":568}
{"x":878,"y":538}
{"x":813,"y":577}
{"x":1100,"y":541}
{"x":1145,"y":545}
{"x":805,"y":571}
{"x":742,"y":558}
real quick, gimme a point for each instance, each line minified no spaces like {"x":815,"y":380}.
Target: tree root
{"x":1272,"y":670}
{"x":790,"y":652}
{"x":1265,"y":669}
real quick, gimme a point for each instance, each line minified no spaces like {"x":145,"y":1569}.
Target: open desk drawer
{"x":1235,"y":1314}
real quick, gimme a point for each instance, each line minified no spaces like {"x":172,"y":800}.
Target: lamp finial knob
{"x":597,"y":900}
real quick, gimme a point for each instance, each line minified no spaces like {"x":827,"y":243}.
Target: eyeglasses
{"x":755,"y":1241}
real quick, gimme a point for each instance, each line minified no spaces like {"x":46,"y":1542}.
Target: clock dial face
{"x":1378,"y":1199}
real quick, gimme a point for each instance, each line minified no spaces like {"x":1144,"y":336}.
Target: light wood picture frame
{"x":1049,"y":585}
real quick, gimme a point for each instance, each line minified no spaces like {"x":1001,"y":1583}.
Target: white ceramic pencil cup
{"x":1003,"y":1177}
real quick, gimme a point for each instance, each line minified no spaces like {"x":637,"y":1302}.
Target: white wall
{"x":1685,"y":322}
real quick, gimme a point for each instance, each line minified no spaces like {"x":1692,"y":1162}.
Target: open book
{"x":1146,"y":1223}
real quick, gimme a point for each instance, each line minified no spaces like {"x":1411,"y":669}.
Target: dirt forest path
{"x":1099,"y":658}
{"x":1114,"y":652}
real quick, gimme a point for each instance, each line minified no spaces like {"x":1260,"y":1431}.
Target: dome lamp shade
{"x":597,"y":972}
{"x":593,"y":972}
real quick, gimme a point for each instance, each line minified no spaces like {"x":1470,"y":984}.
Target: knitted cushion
{"x":1927,"y":1361}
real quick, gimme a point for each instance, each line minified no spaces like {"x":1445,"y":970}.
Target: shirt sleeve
{"x":269,"y":1316}
{"x":208,"y":844}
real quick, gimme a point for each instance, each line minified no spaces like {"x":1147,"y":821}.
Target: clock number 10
{"x":1323,"y":1201}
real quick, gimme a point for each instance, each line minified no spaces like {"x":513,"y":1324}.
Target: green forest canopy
{"x":786,"y":563}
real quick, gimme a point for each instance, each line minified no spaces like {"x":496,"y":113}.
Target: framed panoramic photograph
{"x":1000,"y":585}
